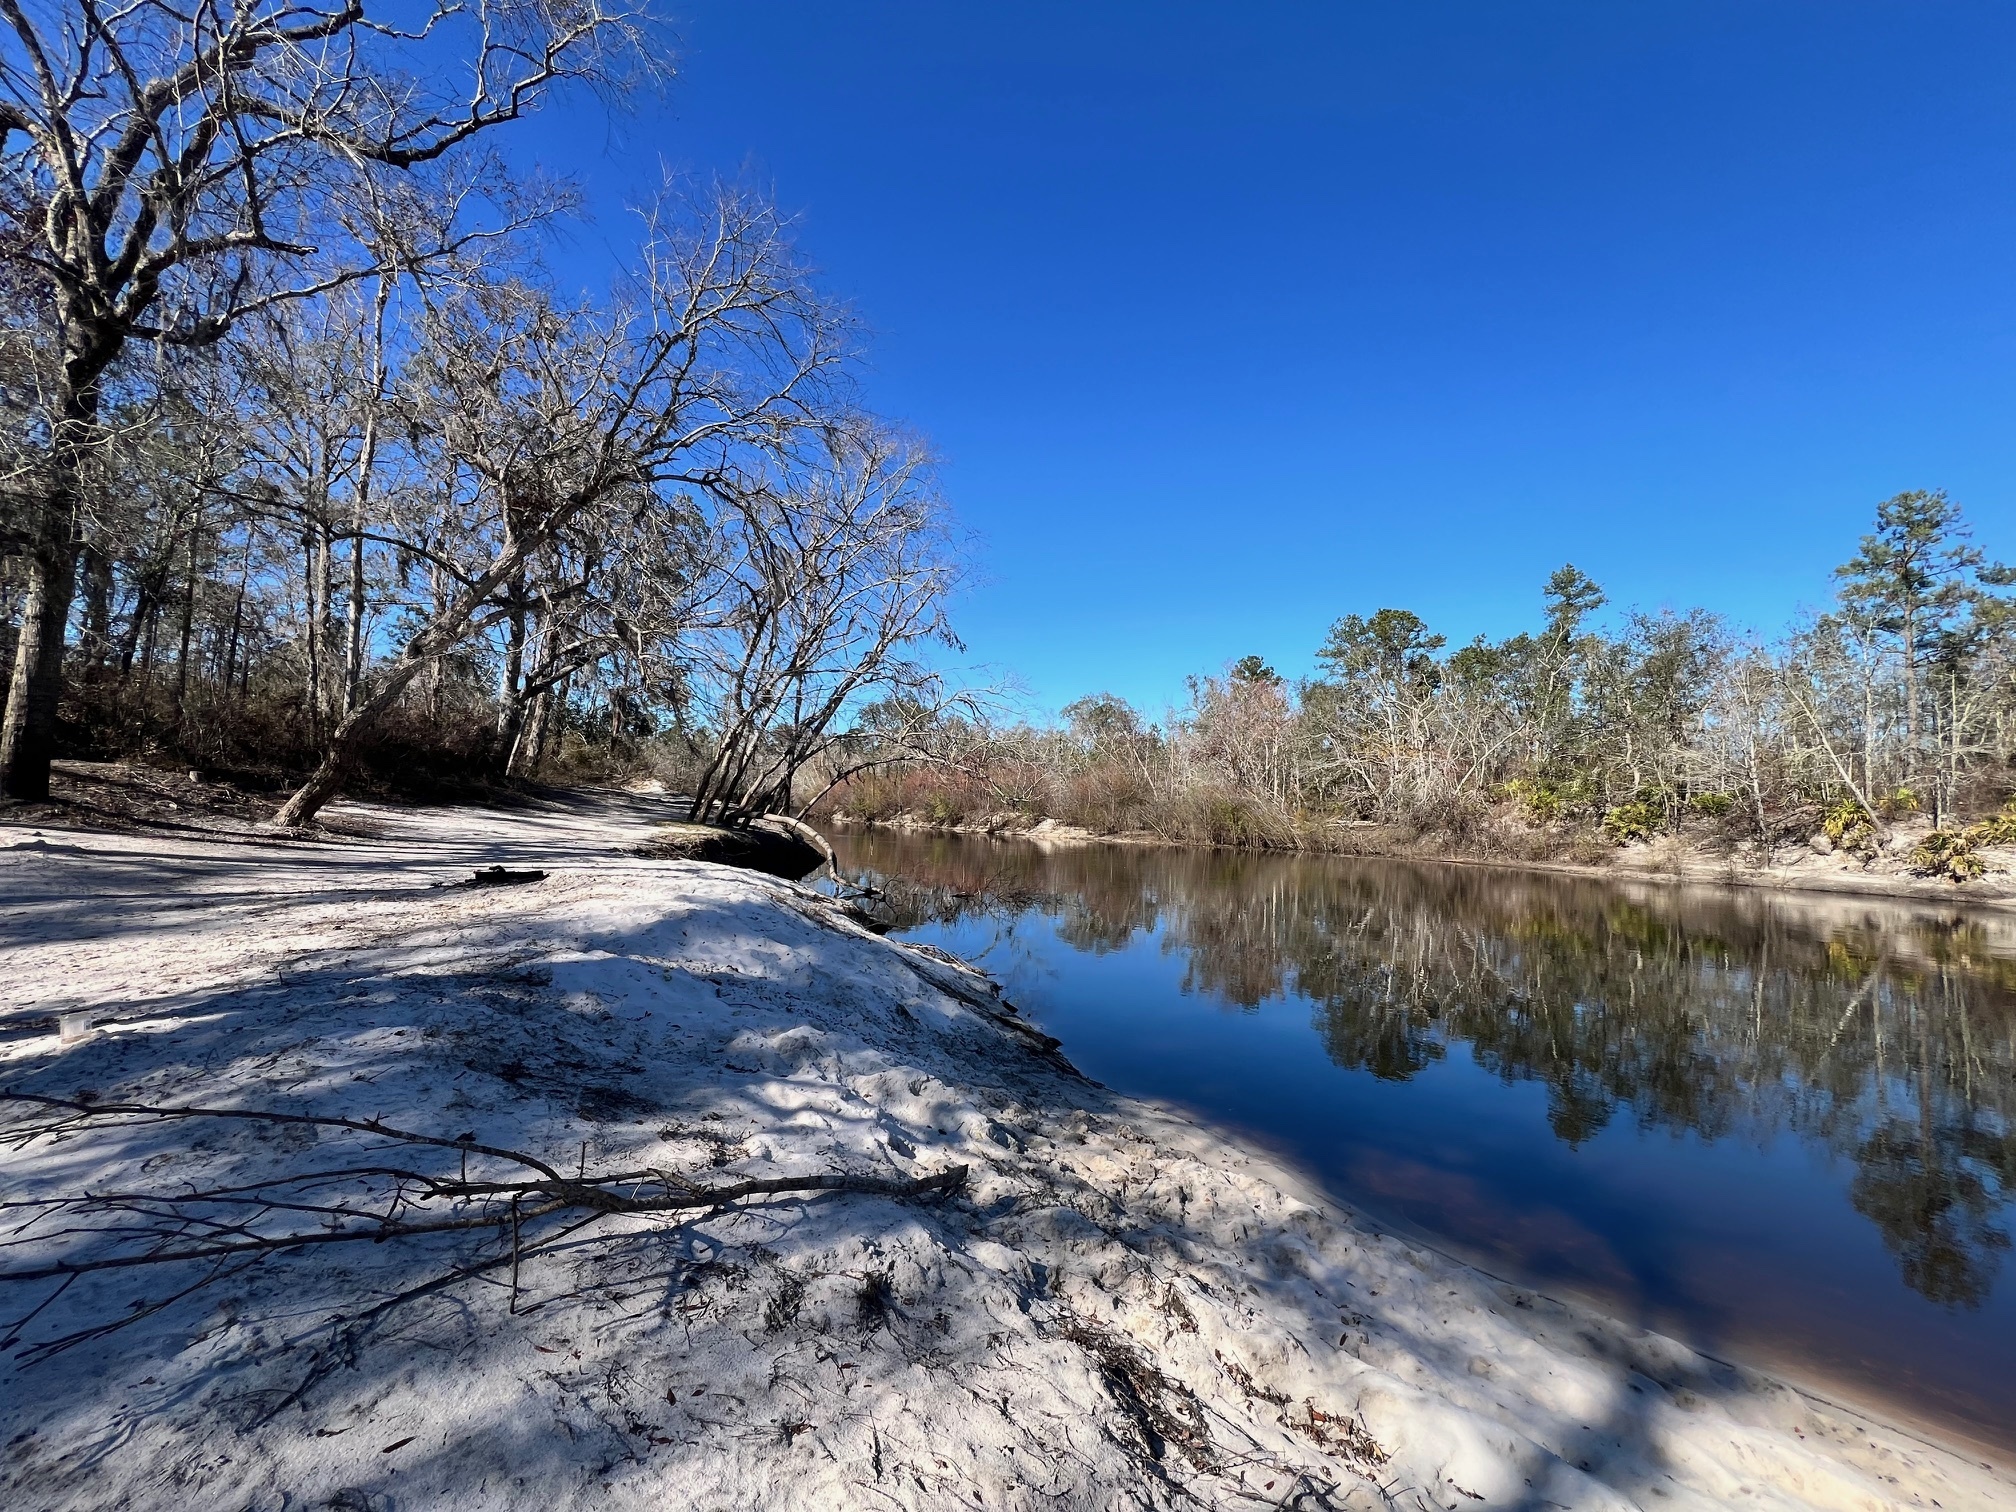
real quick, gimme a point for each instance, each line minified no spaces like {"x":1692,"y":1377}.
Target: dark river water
{"x":1781,"y":1127}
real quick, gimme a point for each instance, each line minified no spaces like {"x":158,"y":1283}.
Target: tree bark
{"x":530,"y":740}
{"x":318,"y":622}
{"x":97,"y":566}
{"x":28,"y":727}
{"x":367,"y":464}
{"x":1911,"y":683}
{"x":28,"y":732}
{"x":353,"y":648}
{"x":188,"y":622}
{"x":237,"y":618}
{"x":511,"y":678}
{"x":149,"y":636}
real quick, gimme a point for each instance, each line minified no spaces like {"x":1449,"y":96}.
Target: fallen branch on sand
{"x":372,"y":1202}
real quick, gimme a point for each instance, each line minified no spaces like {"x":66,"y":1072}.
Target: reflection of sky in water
{"x":1776,"y":1127}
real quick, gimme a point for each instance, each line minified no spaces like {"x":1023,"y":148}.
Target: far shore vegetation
{"x":1883,"y":724}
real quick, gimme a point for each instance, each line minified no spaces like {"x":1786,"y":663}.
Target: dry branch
{"x":220,"y":1223}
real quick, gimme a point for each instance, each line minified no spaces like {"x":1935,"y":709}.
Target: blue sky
{"x":1230,"y":319}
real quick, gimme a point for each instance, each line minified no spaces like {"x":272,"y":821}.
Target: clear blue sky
{"x":1230,"y":319}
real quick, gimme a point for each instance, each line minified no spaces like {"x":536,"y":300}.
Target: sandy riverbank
{"x":1114,"y":1308}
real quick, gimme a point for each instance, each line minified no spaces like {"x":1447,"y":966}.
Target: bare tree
{"x":168,"y":171}
{"x":313,"y":404}
{"x":717,"y":357}
{"x":832,"y":581}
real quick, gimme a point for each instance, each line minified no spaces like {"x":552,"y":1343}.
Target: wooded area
{"x":1894,"y":703}
{"x":311,"y":463}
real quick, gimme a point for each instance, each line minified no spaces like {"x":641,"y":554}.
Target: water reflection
{"x":1879,"y":1034}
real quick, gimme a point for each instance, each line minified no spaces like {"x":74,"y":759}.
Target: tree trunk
{"x":551,"y":724}
{"x":512,"y":677}
{"x":367,"y":463}
{"x":97,"y":612}
{"x":1911,"y":686}
{"x":148,"y":636}
{"x":438,"y":637}
{"x":344,"y":742}
{"x":1953,"y":741}
{"x":28,"y":728}
{"x":436,"y":673}
{"x":319,"y":594}
{"x":188,"y":622}
{"x":1868,"y":729}
{"x":28,"y":731}
{"x":237,"y":619}
{"x":531,"y":737}
{"x":136,"y":625}
{"x":353,"y":649}
{"x":309,"y":622}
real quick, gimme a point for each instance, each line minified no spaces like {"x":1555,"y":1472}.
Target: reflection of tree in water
{"x":1932,"y":1201}
{"x":1878,"y":1031}
{"x":935,"y":879}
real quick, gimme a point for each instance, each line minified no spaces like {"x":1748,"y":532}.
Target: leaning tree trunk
{"x":344,"y":744}
{"x":530,"y":739}
{"x":438,"y":638}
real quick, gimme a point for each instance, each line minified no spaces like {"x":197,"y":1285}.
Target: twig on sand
{"x":370,"y":1202}
{"x":547,"y":1193}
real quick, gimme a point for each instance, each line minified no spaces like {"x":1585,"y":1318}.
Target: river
{"x":1782,"y":1127}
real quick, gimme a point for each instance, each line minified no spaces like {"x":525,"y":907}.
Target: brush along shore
{"x":1889,"y":867}
{"x":640,"y":1182}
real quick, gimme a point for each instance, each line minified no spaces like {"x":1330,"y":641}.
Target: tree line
{"x":313,"y":461}
{"x":1892,"y":709}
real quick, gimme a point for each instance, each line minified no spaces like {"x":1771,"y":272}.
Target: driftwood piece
{"x":498,"y":876}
